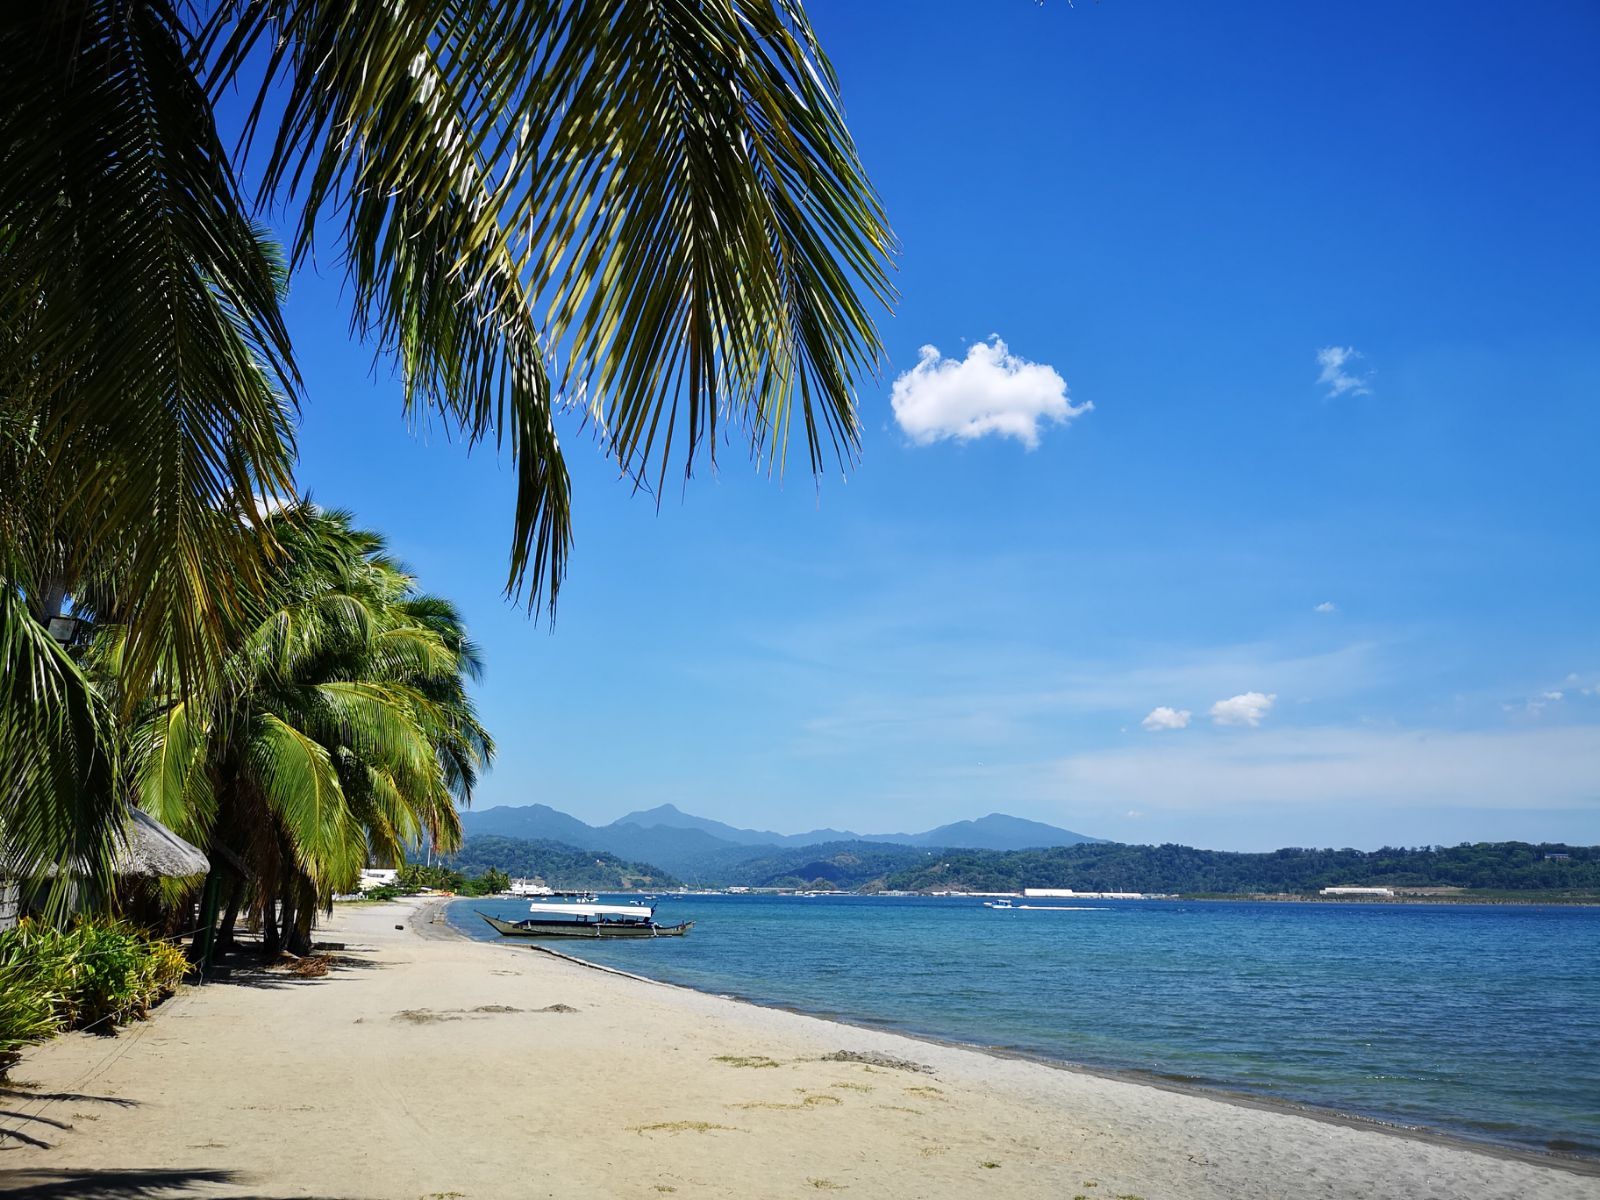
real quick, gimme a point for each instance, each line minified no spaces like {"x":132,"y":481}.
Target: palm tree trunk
{"x":298,"y":936}
{"x":286,"y":915}
{"x":230,"y":916}
{"x":271,"y":942}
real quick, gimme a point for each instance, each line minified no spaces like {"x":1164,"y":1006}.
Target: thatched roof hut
{"x":153,"y":851}
{"x":146,"y":850}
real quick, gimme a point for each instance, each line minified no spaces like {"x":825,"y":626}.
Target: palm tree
{"x":659,"y":196}
{"x":341,"y":733}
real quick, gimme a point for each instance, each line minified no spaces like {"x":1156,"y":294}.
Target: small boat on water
{"x":999,"y":904}
{"x":586,"y":919}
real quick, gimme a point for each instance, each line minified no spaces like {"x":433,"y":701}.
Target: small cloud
{"x":1537,"y":704}
{"x":1335,"y":378}
{"x":1133,"y":814}
{"x":1327,"y":606}
{"x":991,"y":391}
{"x":1166,"y":718}
{"x":1245,"y":709}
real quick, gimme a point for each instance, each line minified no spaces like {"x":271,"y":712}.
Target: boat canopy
{"x":638,"y":911}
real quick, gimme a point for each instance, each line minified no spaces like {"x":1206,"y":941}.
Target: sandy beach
{"x":428,"y":1067}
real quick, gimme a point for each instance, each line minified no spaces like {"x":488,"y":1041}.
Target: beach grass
{"x":753,"y":1061}
{"x":686,"y":1127}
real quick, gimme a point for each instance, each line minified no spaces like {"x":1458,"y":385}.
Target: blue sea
{"x":1478,"y":1020}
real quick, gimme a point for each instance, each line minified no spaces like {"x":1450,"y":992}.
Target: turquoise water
{"x":1483,"y":1021}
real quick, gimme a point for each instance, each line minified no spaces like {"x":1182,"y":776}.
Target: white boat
{"x":585,"y":918}
{"x":998,"y":904}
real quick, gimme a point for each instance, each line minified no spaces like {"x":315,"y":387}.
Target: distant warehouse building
{"x":1357,"y":891}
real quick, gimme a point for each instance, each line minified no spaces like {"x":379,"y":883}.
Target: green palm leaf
{"x":671,"y":182}
{"x":60,"y":807}
{"x":297,"y":779}
{"x":143,"y":350}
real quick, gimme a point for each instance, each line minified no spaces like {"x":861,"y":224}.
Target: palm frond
{"x":671,"y":182}
{"x":298,"y":781}
{"x":143,"y":348}
{"x":61,"y":806}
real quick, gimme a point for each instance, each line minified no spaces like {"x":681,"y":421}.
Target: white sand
{"x":282,"y":1087}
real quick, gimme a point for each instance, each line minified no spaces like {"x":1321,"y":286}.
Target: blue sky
{"x":1170,"y":209}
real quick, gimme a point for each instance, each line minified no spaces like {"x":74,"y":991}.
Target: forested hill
{"x":560,"y":866}
{"x":1515,"y":866}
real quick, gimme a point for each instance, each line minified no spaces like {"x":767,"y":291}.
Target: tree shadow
{"x":139,"y":1184}
{"x":24,"y":1094}
{"x":29,"y":1128}
{"x":260,"y":975}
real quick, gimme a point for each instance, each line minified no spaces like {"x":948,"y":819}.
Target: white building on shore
{"x":1357,"y":891}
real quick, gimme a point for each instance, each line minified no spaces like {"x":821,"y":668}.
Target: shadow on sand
{"x":254,"y":973}
{"x":18,"y":1125}
{"x":153,"y":1184}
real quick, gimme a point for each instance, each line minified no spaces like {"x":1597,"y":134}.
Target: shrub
{"x":95,"y":971}
{"x":26,"y":1015}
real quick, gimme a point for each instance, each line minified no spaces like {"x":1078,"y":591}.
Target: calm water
{"x":1480,"y":1020}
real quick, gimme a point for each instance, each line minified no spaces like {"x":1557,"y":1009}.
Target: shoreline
{"x":424,"y":1063}
{"x":1577,"y":1164}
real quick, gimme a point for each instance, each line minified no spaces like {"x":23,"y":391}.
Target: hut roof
{"x":147,"y":848}
{"x":151,"y":849}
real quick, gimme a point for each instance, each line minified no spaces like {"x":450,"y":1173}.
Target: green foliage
{"x":825,"y":865}
{"x":414,"y":876}
{"x":59,"y":806}
{"x":559,"y":865}
{"x":343,"y":731}
{"x":671,"y":187}
{"x":663,"y":197}
{"x":27,"y":1013}
{"x":1511,"y":866}
{"x":94,"y":972}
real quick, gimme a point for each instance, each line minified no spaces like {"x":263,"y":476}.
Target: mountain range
{"x":700,"y":849}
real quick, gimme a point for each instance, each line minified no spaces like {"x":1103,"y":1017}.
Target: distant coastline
{"x":1466,"y":896}
{"x":663,"y":848}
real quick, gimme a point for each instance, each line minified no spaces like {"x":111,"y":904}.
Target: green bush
{"x":27,"y":1014}
{"x":97,"y":971}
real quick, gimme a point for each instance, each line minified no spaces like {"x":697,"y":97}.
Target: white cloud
{"x":991,"y":391}
{"x":1166,"y":718}
{"x":1327,"y":606}
{"x":1335,"y":378}
{"x":1245,"y":709}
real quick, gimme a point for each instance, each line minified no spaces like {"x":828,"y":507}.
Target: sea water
{"x":1479,"y":1020}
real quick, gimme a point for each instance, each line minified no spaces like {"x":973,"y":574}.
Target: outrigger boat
{"x":587,"y":919}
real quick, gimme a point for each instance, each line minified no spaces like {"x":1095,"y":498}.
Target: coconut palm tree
{"x":647,"y":213}
{"x":341,"y":732}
